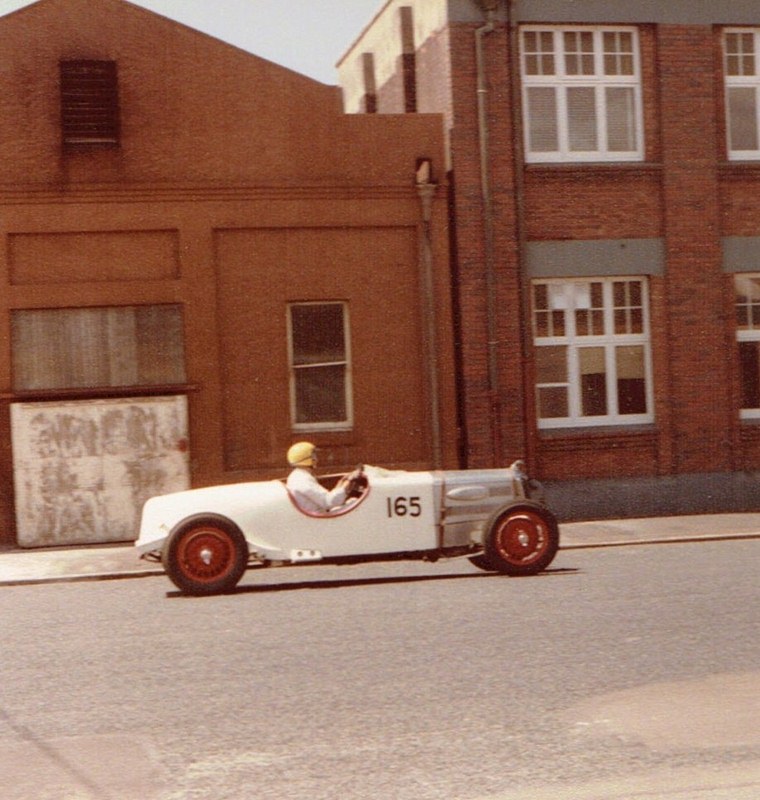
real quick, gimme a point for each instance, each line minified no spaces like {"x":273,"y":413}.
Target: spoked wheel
{"x":205,"y":555}
{"x":521,"y":539}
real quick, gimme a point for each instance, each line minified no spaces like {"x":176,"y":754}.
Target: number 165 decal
{"x":403,"y":506}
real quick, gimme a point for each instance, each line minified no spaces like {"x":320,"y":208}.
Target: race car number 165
{"x":403,"y":506}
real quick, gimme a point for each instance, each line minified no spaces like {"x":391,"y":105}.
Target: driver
{"x":303,"y":485}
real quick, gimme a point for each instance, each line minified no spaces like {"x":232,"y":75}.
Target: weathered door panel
{"x":83,"y":469}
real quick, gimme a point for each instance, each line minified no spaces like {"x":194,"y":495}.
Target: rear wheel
{"x":521,"y":539}
{"x":205,"y":555}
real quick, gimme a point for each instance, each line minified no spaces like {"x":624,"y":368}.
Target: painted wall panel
{"x":741,"y":253}
{"x":603,"y":257}
{"x":83,"y":469}
{"x":93,"y":256}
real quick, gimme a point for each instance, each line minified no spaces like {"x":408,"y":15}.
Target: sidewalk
{"x":110,"y":562}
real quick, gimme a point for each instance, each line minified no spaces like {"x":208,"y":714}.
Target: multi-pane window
{"x":71,"y":348}
{"x":581,"y":94}
{"x":593,"y":363}
{"x":89,"y":103}
{"x":747,"y":304}
{"x":741,"y":50}
{"x":320,"y":391}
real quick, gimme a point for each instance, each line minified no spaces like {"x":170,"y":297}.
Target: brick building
{"x":203,"y":259}
{"x":605,"y":159}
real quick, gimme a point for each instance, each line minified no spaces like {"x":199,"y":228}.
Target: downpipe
{"x":489,"y":8}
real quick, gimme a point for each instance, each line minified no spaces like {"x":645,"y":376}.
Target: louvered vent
{"x":89,"y":102}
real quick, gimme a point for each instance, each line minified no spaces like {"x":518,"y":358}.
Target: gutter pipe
{"x":426,"y":190}
{"x":489,"y":8}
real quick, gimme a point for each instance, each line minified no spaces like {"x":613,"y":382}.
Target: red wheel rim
{"x":522,"y":537}
{"x":206,"y":554}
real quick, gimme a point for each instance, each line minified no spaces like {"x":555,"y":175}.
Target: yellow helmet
{"x":302,"y":454}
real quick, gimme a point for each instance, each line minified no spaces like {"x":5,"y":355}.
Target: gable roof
{"x":193,"y":108}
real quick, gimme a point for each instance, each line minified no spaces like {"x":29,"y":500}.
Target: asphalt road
{"x":616,"y":671}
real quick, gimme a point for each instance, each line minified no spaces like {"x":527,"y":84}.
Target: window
{"x":740,"y":64}
{"x":747,"y":299}
{"x":73,"y":348}
{"x":89,"y":103}
{"x":581,"y":94}
{"x":592,"y":352}
{"x":320,"y":394}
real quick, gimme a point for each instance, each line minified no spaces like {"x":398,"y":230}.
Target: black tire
{"x":482,"y":562}
{"x":521,"y":539}
{"x":205,"y":554}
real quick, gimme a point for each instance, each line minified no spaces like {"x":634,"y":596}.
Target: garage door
{"x":83,"y":469}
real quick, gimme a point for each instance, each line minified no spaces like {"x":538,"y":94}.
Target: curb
{"x":691,"y":539}
{"x":82,"y":577}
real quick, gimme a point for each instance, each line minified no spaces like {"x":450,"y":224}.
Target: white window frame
{"x":328,"y":425}
{"x":599,"y":82}
{"x":567,"y":293}
{"x":751,"y":331}
{"x":741,"y":70}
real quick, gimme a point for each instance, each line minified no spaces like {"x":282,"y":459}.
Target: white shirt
{"x":311,"y":495}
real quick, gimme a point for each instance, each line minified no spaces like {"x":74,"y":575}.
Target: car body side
{"x":400,"y":512}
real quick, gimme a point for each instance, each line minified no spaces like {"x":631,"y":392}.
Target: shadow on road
{"x":293,"y":586}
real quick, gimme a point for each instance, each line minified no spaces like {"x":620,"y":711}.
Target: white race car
{"x":206,"y":538}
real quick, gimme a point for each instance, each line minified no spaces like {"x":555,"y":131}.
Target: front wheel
{"x":205,"y":555}
{"x":521,"y":539}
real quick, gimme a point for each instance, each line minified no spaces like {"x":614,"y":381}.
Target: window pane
{"x":319,"y":358}
{"x":551,"y":368}
{"x":618,"y":53}
{"x":593,"y":381}
{"x":538,"y":52}
{"x":318,"y":335}
{"x":629,"y":311}
{"x":742,"y":118}
{"x":589,"y":322}
{"x":581,"y":118}
{"x":541,"y":296}
{"x":548,"y":319}
{"x":747,"y":301}
{"x":542,"y":320}
{"x":542,"y":120}
{"x":740,"y":54}
{"x":631,"y":380}
{"x":321,"y":394}
{"x":589,"y":316}
{"x":97,"y":347}
{"x":621,"y":122}
{"x":749,"y":366}
{"x":579,"y":52}
{"x":551,"y":364}
{"x":602,"y":380}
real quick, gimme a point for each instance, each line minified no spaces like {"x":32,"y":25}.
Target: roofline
{"x":361,"y":34}
{"x":196,"y":31}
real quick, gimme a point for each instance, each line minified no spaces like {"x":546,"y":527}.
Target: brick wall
{"x":234,"y":190}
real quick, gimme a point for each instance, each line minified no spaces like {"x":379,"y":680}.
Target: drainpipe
{"x":489,"y":8}
{"x":426,"y":190}
{"x":526,"y":342}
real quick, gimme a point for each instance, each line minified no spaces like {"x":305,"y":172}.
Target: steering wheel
{"x":357,"y":482}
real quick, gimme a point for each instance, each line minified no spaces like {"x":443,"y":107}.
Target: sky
{"x":308,"y":36}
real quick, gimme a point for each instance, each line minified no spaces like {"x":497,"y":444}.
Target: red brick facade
{"x":237,"y":189}
{"x":684,"y":193}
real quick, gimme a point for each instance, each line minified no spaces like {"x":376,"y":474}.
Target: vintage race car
{"x":206,"y":538}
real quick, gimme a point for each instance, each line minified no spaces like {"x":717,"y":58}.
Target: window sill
{"x":323,"y":437}
{"x":593,"y":169}
{"x":606,"y":433}
{"x":739,"y":169}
